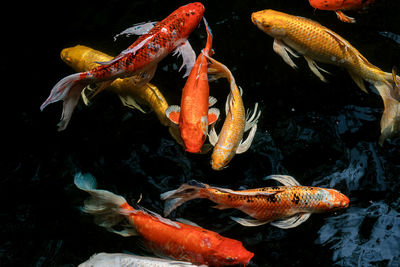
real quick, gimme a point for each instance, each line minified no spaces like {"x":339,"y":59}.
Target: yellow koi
{"x":317,"y":43}
{"x":229,"y":142}
{"x":130,"y":90}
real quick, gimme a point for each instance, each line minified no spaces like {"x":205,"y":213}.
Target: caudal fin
{"x":103,"y":205}
{"x":69,"y":90}
{"x":185,"y":192}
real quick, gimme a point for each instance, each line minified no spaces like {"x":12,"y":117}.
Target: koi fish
{"x":317,"y":43}
{"x":157,"y":40}
{"x":130,"y":260}
{"x":229,"y":142}
{"x":194,"y":115}
{"x":284,"y":206}
{"x":172,"y":239}
{"x":339,"y":5}
{"x":130,"y":90}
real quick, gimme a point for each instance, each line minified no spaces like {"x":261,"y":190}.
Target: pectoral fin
{"x":213,"y":114}
{"x":341,"y":16}
{"x":292,"y":222}
{"x":130,"y":102}
{"x":221,"y":207}
{"x":244,"y":146}
{"x":314,"y":68}
{"x":188,"y":55}
{"x":173,"y":113}
{"x":358,"y":80}
{"x":249,"y":222}
{"x":213,"y":137}
{"x":211,"y":101}
{"x":282,"y":49}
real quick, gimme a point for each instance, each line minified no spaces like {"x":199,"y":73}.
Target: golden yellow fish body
{"x":83,"y":58}
{"x":317,"y":43}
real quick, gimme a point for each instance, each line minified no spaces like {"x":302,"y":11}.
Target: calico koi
{"x":130,"y":90}
{"x":229,"y":142}
{"x":157,"y":40}
{"x":284,"y":206}
{"x":176,"y":240}
{"x":317,"y":43}
{"x":339,"y":5}
{"x":194,"y":116}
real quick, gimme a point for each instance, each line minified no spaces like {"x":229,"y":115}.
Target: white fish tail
{"x":185,"y":192}
{"x":103,"y":205}
{"x":67,"y":89}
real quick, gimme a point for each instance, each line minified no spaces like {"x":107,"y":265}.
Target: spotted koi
{"x":157,"y":40}
{"x":284,"y":206}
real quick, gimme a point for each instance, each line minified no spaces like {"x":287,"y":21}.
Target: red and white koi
{"x":157,"y":40}
{"x":194,"y":116}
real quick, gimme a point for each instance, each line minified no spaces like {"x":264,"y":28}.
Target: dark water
{"x":322,"y":134}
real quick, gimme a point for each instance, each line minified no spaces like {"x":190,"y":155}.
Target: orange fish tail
{"x":185,"y":192}
{"x":107,"y":208}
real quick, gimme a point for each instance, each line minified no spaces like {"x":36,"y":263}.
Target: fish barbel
{"x":283,"y":206}
{"x":317,"y":43}
{"x":161,"y":236}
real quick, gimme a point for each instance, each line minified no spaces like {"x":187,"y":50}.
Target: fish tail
{"x":185,"y":192}
{"x":107,"y":208}
{"x":67,"y":89}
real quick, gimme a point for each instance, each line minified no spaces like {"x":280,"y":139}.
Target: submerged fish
{"x":317,"y":43}
{"x":161,"y":236}
{"x":194,"y":116}
{"x":157,"y":40}
{"x":339,"y":5}
{"x":129,"y":260}
{"x":130,"y":90}
{"x":283,"y":206}
{"x":229,"y":142}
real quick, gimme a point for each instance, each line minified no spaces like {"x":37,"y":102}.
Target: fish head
{"x":231,"y":252}
{"x":271,"y":22}
{"x":189,"y":16}
{"x":194,"y":135}
{"x":334,"y":200}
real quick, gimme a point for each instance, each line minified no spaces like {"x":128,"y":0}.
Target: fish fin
{"x":228,"y":100}
{"x":396,"y":79}
{"x":130,"y":102}
{"x":248,"y":222}
{"x":188,"y":222}
{"x":87,"y":93}
{"x":103,"y":205}
{"x":137,"y":29}
{"x":292,"y":222}
{"x":341,"y":16}
{"x":188,"y":55}
{"x":213,"y":114}
{"x":221,"y":206}
{"x":131,"y":50}
{"x":358,"y":80}
{"x":160,"y":218}
{"x":173,"y":113}
{"x":253,"y":119}
{"x":185,"y":192}
{"x":68,"y":90}
{"x":390,"y":121}
{"x":283,"y":179}
{"x":314,"y":68}
{"x":282,"y":49}
{"x":208,"y":50}
{"x":213,"y":137}
{"x":211,"y":101}
{"x":244,"y":146}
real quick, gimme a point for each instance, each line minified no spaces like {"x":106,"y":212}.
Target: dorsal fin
{"x":159,"y":217}
{"x":283,"y":179}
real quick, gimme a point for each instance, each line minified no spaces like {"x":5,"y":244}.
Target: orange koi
{"x":317,"y":43}
{"x":229,"y":142}
{"x":194,"y":115}
{"x":283,"y":206}
{"x":157,"y":40}
{"x":339,"y":5}
{"x":176,"y":240}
